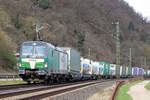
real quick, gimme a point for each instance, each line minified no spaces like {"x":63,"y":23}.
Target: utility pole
{"x":38,"y":28}
{"x":117,"y":37}
{"x":145,"y":62}
{"x":130,"y":57}
{"x":89,"y":54}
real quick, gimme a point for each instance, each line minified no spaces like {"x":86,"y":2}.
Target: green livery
{"x":39,"y":58}
{"x":106,"y":67}
{"x":129,"y":71}
{"x":53,"y":59}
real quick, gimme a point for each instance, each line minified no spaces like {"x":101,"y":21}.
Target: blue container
{"x":140,"y":72}
{"x":135,"y":71}
{"x":123,"y":71}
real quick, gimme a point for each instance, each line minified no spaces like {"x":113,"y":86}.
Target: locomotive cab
{"x":32,"y":62}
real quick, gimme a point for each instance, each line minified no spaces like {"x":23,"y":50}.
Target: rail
{"x":45,"y":91}
{"x":116,"y":90}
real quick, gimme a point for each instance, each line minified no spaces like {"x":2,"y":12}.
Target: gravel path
{"x":138,"y":92}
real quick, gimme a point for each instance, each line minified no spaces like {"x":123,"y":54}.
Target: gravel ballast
{"x":101,"y":91}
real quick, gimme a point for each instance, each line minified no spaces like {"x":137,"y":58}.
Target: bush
{"x":81,"y":39}
{"x":131,"y":27}
{"x":42,"y":3}
{"x":5,"y":20}
{"x":18,"y":25}
{"x":7,"y":57}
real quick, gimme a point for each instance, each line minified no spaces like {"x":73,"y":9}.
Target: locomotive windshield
{"x":33,"y":51}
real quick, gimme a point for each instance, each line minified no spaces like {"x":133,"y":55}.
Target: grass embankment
{"x":12,"y":82}
{"x":148,"y":86}
{"x":122,"y":93}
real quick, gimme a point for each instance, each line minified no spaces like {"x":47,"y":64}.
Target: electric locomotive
{"x":42,"y":62}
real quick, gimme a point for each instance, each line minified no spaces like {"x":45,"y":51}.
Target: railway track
{"x":8,"y":87}
{"x":46,"y":91}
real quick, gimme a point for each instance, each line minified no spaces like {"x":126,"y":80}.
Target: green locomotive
{"x":42,"y":62}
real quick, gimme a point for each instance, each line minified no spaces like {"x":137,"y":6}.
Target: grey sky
{"x":141,"y":6}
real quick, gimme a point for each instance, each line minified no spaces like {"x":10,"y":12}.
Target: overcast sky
{"x":141,"y":6}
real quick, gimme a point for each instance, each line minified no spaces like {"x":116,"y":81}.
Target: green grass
{"x":122,"y":93}
{"x":12,"y":82}
{"x":148,"y":86}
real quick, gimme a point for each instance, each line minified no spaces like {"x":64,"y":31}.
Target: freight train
{"x":43,"y":62}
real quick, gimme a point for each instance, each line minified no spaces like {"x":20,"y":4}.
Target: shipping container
{"x":126,"y":71}
{"x":140,"y":72}
{"x":106,"y":68}
{"x":112,"y":69}
{"x":63,"y":60}
{"x":117,"y":71}
{"x":129,"y":71}
{"x":81,"y":65}
{"x":135,"y":71}
{"x":95,"y":67}
{"x":73,"y":60}
{"x":120,"y":70}
{"x":148,"y":73}
{"x":123,"y":72}
{"x":145,"y":72}
{"x":101,"y":69}
{"x":85,"y":66}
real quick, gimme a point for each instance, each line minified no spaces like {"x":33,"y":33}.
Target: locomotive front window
{"x":39,"y":51}
{"x":27,"y":51}
{"x":33,"y":51}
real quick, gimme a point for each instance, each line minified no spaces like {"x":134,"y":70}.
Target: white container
{"x":73,"y":60}
{"x":95,"y":68}
{"x":112,"y":69}
{"x":85,"y":67}
{"x":63,"y":60}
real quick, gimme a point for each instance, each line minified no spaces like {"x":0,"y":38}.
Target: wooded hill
{"x":80,"y":24}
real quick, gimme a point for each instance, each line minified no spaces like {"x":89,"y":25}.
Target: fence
{"x":8,"y":76}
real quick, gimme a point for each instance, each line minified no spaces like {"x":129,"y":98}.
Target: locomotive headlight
{"x":46,"y":65}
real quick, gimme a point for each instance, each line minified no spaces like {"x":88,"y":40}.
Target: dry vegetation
{"x":103,"y":94}
{"x":80,"y":24}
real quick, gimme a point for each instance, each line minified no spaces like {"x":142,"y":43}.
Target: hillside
{"x":80,"y":24}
